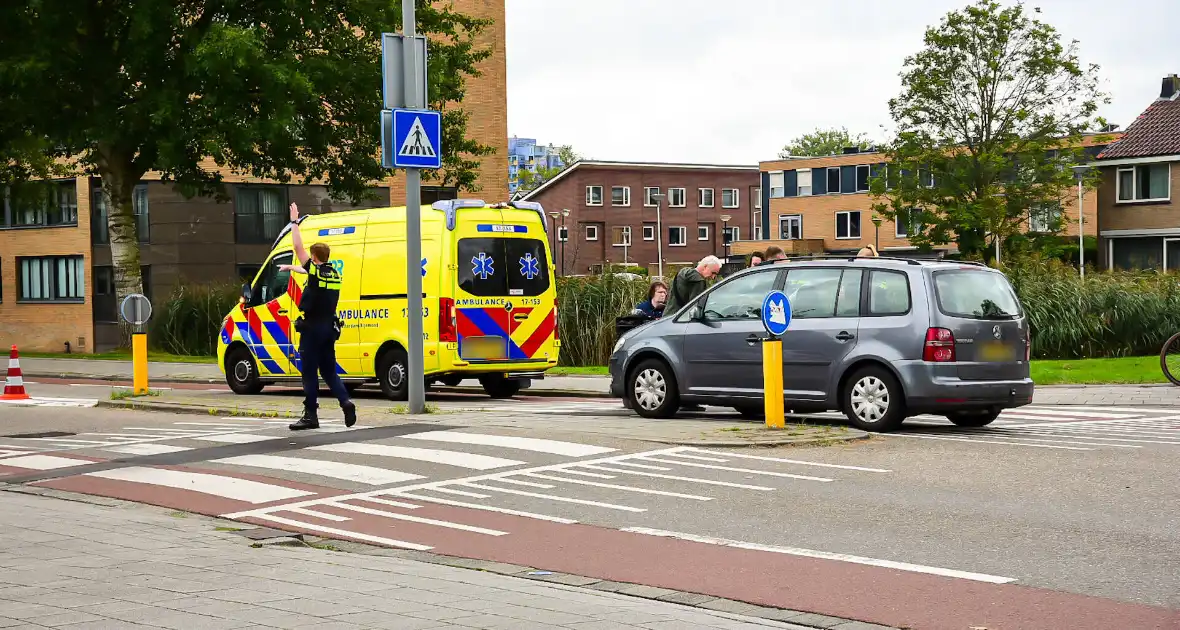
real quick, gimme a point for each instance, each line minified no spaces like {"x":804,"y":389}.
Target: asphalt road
{"x":1083,"y":503}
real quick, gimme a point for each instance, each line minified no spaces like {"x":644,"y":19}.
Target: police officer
{"x":318,"y":328}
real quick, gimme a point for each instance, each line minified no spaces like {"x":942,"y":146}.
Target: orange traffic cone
{"x":14,"y":387}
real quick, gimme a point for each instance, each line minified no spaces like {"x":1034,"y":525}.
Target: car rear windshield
{"x":975,"y":294}
{"x":498,"y":267}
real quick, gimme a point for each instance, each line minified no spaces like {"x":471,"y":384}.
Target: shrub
{"x":189,"y":321}
{"x":586,"y":310}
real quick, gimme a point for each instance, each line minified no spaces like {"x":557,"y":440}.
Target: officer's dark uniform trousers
{"x":317,"y":339}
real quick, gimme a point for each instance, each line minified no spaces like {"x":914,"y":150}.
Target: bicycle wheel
{"x":1170,"y":359}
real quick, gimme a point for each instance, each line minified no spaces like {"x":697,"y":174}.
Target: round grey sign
{"x":136,"y":309}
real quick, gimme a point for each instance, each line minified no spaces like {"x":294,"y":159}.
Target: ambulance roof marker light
{"x":534,"y":206}
{"x":451,"y":208}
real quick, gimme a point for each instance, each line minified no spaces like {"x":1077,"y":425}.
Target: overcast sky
{"x":731,"y":82}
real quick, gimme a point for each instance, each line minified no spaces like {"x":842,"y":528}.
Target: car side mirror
{"x":247,"y":292}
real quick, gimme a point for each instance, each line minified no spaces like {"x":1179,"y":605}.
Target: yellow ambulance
{"x":489,"y":308}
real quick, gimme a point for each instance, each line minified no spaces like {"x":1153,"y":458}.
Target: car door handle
{"x":753,"y":340}
{"x":844,"y":335}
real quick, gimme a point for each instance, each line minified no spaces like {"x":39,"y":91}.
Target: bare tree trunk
{"x":119,"y":185}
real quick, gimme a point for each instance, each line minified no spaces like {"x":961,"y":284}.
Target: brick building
{"x":822,"y":204}
{"x":56,"y":285}
{"x":612,"y":212}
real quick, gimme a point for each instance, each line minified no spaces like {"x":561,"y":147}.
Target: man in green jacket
{"x":691,"y":282}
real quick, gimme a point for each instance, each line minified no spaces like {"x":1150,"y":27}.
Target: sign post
{"x":411,"y":138}
{"x":136,"y":310}
{"x":776,"y":316}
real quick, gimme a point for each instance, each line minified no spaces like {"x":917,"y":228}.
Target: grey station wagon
{"x":879,"y":339}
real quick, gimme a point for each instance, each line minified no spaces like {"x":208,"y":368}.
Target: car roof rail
{"x":908,"y":261}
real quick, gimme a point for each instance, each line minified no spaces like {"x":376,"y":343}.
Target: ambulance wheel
{"x":497,"y":386}
{"x":241,"y":372}
{"x":393,"y":374}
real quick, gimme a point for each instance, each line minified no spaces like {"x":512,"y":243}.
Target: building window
{"x":833,"y":180}
{"x":105,"y":304}
{"x":758,"y":198}
{"x":620,"y":196}
{"x":729,"y":198}
{"x":40,"y":204}
{"x":247,"y":273}
{"x":563,"y":234}
{"x":51,"y":279}
{"x":862,"y":178}
{"x":778,"y":185}
{"x":592,"y":232}
{"x":260,"y":212}
{"x":1146,"y":182}
{"x":677,"y":198}
{"x":848,"y":224}
{"x":649,"y":194}
{"x":678,"y":236}
{"x":100,"y":215}
{"x":621,"y":236}
{"x":731,"y":234}
{"x":790,"y":227}
{"x":649,"y":232}
{"x":1044,"y":217}
{"x":594,"y":195}
{"x":702,"y":232}
{"x":706,"y":195}
{"x":804,"y":182}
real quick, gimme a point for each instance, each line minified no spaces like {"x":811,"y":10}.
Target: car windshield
{"x":975,"y":293}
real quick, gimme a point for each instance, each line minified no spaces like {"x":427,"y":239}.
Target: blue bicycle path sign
{"x":776,"y":313}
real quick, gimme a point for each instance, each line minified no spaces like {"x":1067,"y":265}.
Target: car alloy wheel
{"x":870,"y":399}
{"x":397,"y":374}
{"x":650,"y":389}
{"x":243,"y":370}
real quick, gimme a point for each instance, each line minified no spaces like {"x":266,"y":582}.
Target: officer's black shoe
{"x":349,"y":413}
{"x":308,"y":421}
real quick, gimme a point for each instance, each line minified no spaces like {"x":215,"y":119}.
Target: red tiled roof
{"x":1155,"y":132}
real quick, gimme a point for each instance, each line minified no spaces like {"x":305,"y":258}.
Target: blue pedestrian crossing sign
{"x":776,"y":313}
{"x":417,"y":138}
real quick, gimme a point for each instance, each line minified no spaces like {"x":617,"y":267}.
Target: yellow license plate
{"x":484,"y":348}
{"x":996,"y":352}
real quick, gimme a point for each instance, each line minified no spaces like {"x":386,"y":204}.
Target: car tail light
{"x":556,"y":330}
{"x":1027,"y":349}
{"x":940,"y":346}
{"x":446,"y":320}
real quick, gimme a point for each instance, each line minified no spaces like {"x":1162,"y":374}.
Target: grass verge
{"x":120,"y":355}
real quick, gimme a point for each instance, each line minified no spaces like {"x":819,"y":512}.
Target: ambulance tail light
{"x":446,"y":320}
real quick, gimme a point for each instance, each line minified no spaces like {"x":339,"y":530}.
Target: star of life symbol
{"x":423,"y":267}
{"x":529,"y":267}
{"x":778,"y":313}
{"x":481,"y":266}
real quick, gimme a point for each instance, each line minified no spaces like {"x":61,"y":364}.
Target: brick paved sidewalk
{"x":83,"y":566}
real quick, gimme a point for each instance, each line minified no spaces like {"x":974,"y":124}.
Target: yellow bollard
{"x":772,"y":382}
{"x":139,"y":364}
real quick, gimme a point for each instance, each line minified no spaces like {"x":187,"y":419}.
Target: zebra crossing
{"x":138,"y":440}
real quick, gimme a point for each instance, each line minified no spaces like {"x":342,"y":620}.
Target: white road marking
{"x":236,"y":438}
{"x":552,"y":497}
{"x":698,"y":458}
{"x":369,"y":475}
{"x":417,"y":519}
{"x":1076,"y":413}
{"x":315,"y":514}
{"x":343,"y":533}
{"x":571,"y":471}
{"x":147,"y":449}
{"x":570,"y":449}
{"x":710,"y":482}
{"x":741,"y":470}
{"x":1135,"y":410}
{"x":527,"y":484}
{"x":462,"y":493}
{"x":216,"y":485}
{"x":787,"y":461}
{"x":643,"y":466}
{"x":45,"y":462}
{"x":582,"y":482}
{"x":450,"y":458}
{"x":486,"y":508}
{"x":825,"y":555}
{"x":983,"y":441}
{"x":400,"y":504}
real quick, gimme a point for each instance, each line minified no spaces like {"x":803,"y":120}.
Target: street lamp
{"x":659,"y":197}
{"x":565,"y":212}
{"x":556,"y":236}
{"x":877,"y":231}
{"x":725,"y":234}
{"x":1080,"y":172}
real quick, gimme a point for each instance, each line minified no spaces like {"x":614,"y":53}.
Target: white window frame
{"x":590,"y":195}
{"x":592,"y":232}
{"x":860,"y":228}
{"x":735,"y":234}
{"x":647,"y":193}
{"x":626,"y":196}
{"x":705,"y":228}
{"x":672,"y":194}
{"x":1056,"y":212}
{"x":1118,"y":183}
{"x":649,"y":232}
{"x":683,"y":236}
{"x":625,"y":231}
{"x":737,"y":198}
{"x":786,"y":219}
{"x":701,"y":197}
{"x":758,"y":198}
{"x":799,"y":182}
{"x":563,"y":234}
{"x":839,"y":180}
{"x":779,"y":190}
{"x":868,"y":177}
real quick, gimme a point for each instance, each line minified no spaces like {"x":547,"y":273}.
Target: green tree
{"x":278,"y":89}
{"x":824,"y":142}
{"x":990,"y":117}
{"x":530,"y":180}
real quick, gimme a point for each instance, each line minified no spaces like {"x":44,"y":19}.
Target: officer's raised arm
{"x":301,"y":256}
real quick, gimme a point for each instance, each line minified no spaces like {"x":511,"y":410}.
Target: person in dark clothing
{"x":317,"y":328}
{"x":657,"y":297}
{"x":691,"y":282}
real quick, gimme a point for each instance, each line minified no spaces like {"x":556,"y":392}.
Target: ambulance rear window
{"x":500,"y":267}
